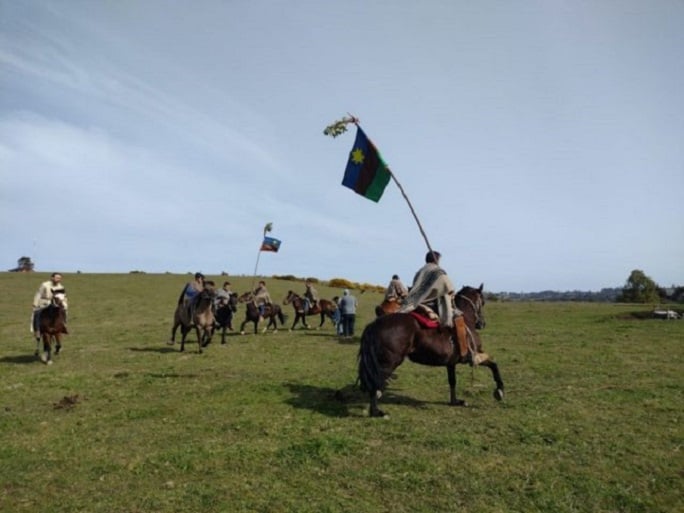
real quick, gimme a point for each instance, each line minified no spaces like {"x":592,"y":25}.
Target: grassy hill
{"x":123,"y":422}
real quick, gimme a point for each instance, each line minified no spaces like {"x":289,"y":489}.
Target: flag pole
{"x":339,"y":127}
{"x":267,"y":228}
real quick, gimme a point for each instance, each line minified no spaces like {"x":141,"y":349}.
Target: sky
{"x":540,"y":143}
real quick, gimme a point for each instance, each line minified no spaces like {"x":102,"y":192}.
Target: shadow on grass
{"x":336,"y":403}
{"x":166,"y":349}
{"x":19,"y":359}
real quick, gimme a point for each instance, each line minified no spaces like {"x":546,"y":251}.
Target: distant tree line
{"x":639,"y":288}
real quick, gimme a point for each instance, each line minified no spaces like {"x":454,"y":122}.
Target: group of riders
{"x":431,"y":293}
{"x":260,"y":295}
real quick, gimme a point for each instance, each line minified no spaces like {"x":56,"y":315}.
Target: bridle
{"x":477,"y":309}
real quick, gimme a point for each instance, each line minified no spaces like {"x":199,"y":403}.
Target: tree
{"x":639,"y":289}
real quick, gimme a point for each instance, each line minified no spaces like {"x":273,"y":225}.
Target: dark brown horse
{"x":272,"y":312}
{"x":324,"y":307}
{"x":51,"y":326}
{"x":389,"y":339}
{"x":225,"y":310}
{"x":199,"y":315}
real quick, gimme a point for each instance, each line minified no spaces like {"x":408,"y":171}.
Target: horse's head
{"x":291,"y":296}
{"x":59,"y":299}
{"x":246,"y":297}
{"x":473,"y":298}
{"x":233,"y":301}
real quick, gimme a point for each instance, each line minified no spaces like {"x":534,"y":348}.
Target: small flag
{"x":270,"y":244}
{"x":366,"y":173}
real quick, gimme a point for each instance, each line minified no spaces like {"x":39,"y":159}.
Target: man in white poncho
{"x":432,"y":288}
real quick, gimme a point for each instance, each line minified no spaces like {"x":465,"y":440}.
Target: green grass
{"x":272,"y":423}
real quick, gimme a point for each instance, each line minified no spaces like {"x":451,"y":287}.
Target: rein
{"x":476,"y":307}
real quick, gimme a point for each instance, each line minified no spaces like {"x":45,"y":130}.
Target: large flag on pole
{"x":366,"y":173}
{"x":270,"y":244}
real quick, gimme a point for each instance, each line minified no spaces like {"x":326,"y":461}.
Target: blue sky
{"x":540,"y":142}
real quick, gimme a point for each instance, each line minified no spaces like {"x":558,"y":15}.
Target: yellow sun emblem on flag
{"x":357,"y":156}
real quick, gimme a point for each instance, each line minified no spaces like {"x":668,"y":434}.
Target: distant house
{"x":24,"y":265}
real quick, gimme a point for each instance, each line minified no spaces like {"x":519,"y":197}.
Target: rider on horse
{"x":310,"y":296}
{"x":190,"y":293}
{"x":223,"y":295}
{"x":43,"y":299}
{"x":433,"y":291}
{"x":262,"y":298}
{"x":396,"y":290}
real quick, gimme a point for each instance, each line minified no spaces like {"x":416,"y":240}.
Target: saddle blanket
{"x":424,"y":321}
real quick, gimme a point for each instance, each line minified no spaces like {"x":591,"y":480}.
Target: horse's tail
{"x":281,"y":316}
{"x":370,"y":373}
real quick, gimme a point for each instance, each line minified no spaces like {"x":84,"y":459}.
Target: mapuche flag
{"x":270,"y":244}
{"x":366,"y":173}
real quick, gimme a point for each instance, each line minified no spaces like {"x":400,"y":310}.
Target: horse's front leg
{"x":47,"y":350}
{"x":184,"y":333}
{"x":173,"y":333}
{"x":499,"y":390}
{"x":374,"y":410}
{"x":451,"y":375}
{"x":199,"y":339}
{"x":58,"y":343}
{"x":294,"y":323}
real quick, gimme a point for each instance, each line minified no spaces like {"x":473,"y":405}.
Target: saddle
{"x":424,"y":321}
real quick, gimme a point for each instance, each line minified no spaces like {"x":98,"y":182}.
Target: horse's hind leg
{"x":451,"y":375}
{"x":58,"y":343}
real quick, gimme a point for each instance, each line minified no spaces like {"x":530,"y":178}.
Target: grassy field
{"x":272,"y":423}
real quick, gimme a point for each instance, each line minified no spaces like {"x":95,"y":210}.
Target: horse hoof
{"x":171,"y":342}
{"x":49,"y":362}
{"x":498,"y":394}
{"x":242,"y":333}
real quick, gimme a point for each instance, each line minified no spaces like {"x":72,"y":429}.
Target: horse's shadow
{"x":337,"y":403}
{"x":167,"y":349}
{"x":19,"y":359}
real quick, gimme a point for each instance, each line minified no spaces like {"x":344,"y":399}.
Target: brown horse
{"x":389,"y":339}
{"x":324,"y":307}
{"x":199,"y":315}
{"x":51,"y":326}
{"x":271,"y":312}
{"x":388,"y":306}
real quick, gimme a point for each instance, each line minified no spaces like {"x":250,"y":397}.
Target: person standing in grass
{"x":348,"y":305}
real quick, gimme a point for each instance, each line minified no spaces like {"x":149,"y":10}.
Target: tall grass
{"x":591,"y":421}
